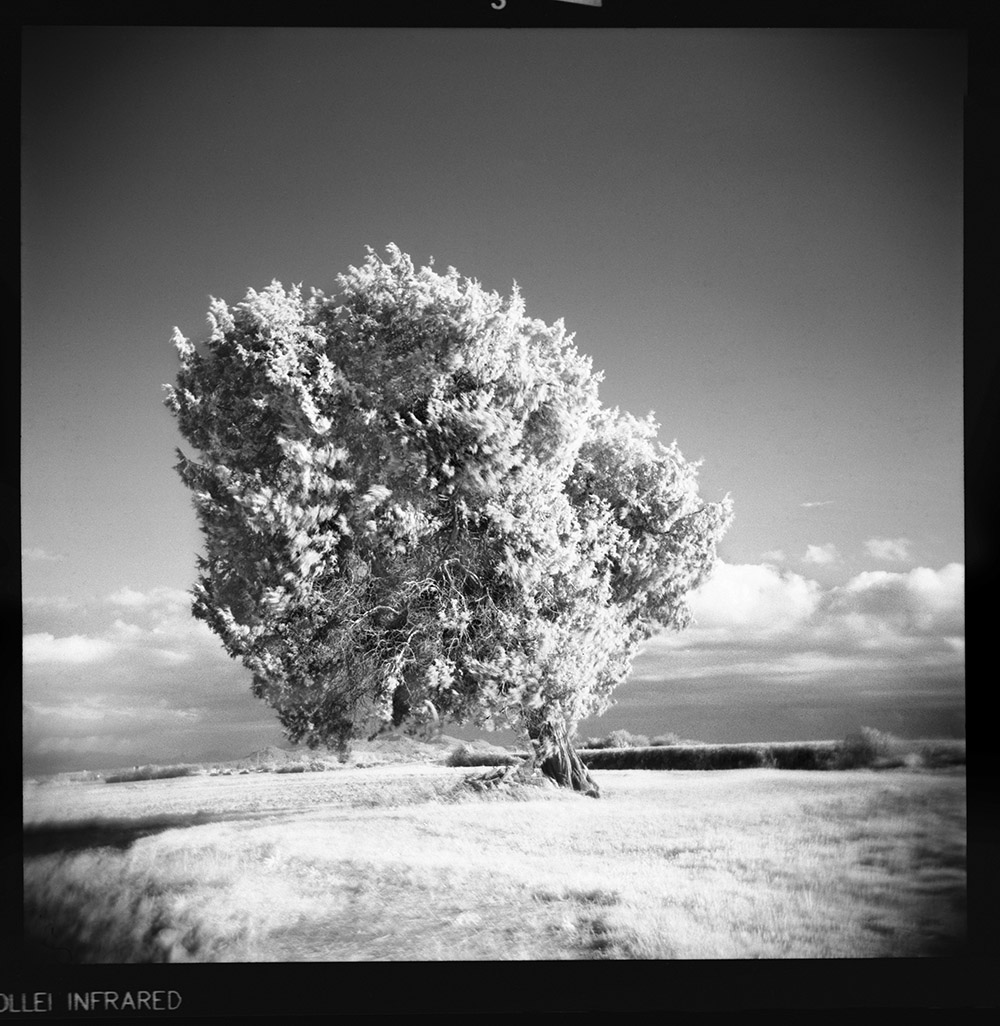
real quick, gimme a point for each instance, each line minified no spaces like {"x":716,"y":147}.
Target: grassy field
{"x":405,"y":862}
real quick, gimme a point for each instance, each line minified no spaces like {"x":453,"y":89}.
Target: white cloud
{"x":170,"y":657}
{"x":753,"y":596}
{"x":87,"y":664}
{"x":922,"y":601}
{"x":762,"y":623}
{"x":128,"y":597}
{"x":40,"y":555}
{"x":821,"y":555}
{"x":127,"y":631}
{"x":75,"y":649}
{"x":773,"y":556}
{"x":134,"y":672}
{"x":156,"y":597}
{"x":156,"y":630}
{"x":82,"y":714}
{"x":888,"y":549}
{"x":76,"y":712}
{"x":812,"y":505}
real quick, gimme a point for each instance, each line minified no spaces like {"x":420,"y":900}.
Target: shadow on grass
{"x":52,"y":838}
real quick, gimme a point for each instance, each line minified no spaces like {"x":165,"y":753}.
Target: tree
{"x":416,"y":508}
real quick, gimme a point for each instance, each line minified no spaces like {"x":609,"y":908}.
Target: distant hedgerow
{"x":149,"y":773}
{"x":942,"y":753}
{"x":686,"y":757}
{"x":868,"y":748}
{"x":790,"y":755}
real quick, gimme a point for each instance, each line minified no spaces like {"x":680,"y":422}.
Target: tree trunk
{"x":556,"y":758}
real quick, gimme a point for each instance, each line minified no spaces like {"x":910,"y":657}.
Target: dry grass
{"x":466,"y":755}
{"x":405,"y":864}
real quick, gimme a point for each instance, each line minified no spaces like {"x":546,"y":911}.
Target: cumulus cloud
{"x":759,"y":621}
{"x":821,"y":555}
{"x":133,"y":663}
{"x":79,"y":716}
{"x":773,"y":556}
{"x":77,"y":648}
{"x":128,"y":597}
{"x":922,"y":601}
{"x":888,"y":549}
{"x":163,"y":598}
{"x":758,"y":597}
{"x":170,"y":657}
{"x":155,"y":624}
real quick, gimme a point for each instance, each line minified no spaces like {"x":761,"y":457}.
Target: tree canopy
{"x":415,"y":507}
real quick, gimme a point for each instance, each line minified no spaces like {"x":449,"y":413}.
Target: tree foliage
{"x":415,"y":507}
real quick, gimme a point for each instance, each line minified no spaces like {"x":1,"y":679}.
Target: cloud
{"x":888,"y":549}
{"x":177,"y":715}
{"x":40,"y":555}
{"x":76,"y":649}
{"x":773,"y":556}
{"x":133,"y":663}
{"x":80,"y":715}
{"x":157,"y":626}
{"x":164,"y":598}
{"x":754,"y":621}
{"x":755,"y":597}
{"x":821,"y":555}
{"x":922,"y":602}
{"x":128,"y":597}
{"x":170,"y":657}
{"x":813,"y":505}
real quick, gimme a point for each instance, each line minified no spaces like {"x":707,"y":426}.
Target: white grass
{"x":395,"y":864}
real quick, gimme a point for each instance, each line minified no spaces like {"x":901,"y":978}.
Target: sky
{"x":756,"y":234}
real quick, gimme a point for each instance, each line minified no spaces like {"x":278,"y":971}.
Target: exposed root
{"x":508,"y":778}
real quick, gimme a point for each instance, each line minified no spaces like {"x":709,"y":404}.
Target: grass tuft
{"x":615,"y":739}
{"x":876,"y":749}
{"x":464,"y":755}
{"x":663,"y":740}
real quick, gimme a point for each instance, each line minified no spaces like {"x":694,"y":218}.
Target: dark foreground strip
{"x":47,"y":838}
